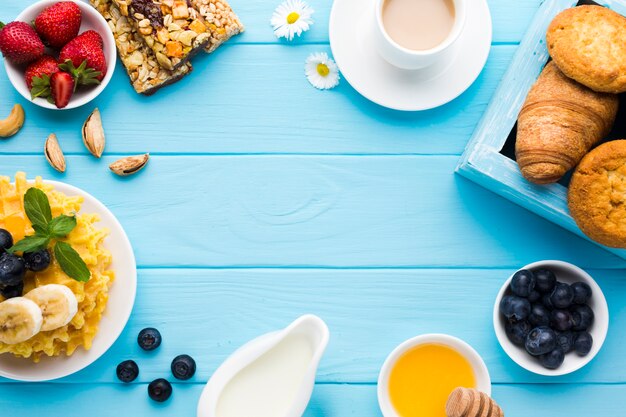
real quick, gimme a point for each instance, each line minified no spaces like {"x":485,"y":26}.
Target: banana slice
{"x":57,"y":303}
{"x":20,"y":319}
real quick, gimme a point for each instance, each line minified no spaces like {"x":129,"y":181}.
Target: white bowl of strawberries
{"x":59,"y":54}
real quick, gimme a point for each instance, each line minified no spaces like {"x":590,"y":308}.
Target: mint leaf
{"x":37,"y":207}
{"x":71,"y":262}
{"x":61,"y":226}
{"x":30,"y":244}
{"x":41,"y":231}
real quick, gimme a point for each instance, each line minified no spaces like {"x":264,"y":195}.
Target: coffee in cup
{"x":418,"y":25}
{"x":413,"y":34}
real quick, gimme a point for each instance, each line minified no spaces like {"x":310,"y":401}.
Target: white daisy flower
{"x":291,"y":17}
{"x":321,"y":71}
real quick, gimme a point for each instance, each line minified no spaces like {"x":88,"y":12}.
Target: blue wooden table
{"x":265,"y":199}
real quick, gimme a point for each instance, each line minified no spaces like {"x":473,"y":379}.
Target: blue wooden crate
{"x":489,"y":157}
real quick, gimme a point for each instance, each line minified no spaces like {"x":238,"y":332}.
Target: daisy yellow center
{"x":322,"y":69}
{"x":292,"y":18}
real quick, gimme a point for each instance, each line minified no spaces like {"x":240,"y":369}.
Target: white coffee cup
{"x":410,"y":59}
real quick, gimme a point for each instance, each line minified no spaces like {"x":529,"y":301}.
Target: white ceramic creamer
{"x":270,"y":376}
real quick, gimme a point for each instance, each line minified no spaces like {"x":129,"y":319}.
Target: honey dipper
{"x":466,"y":402}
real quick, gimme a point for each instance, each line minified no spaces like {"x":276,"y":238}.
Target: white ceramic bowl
{"x":115,"y":317}
{"x":568,"y":273}
{"x":91,"y":19}
{"x":483,"y":381}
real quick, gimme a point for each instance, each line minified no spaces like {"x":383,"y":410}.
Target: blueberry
{"x":149,"y":339}
{"x":12,"y":270}
{"x":514,"y":308}
{"x":582,"y":317}
{"x":6,"y":240}
{"x":539,"y":315}
{"x":561,"y":320}
{"x":183,"y":367}
{"x":523,"y":283}
{"x":565,"y":340}
{"x":160,"y":390}
{"x":127,"y":371}
{"x":562,"y":295}
{"x":582,"y":292}
{"x":583,"y":343}
{"x":545,"y":280}
{"x":534,"y":296}
{"x":37,"y":261}
{"x":517,"y":332}
{"x":545,"y":300}
{"x":13,"y":291}
{"x":553,"y":359}
{"x":540,"y":340}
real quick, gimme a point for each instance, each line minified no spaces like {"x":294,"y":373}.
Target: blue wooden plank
{"x":209,"y":313}
{"x":332,"y":211}
{"x":328,"y":400}
{"x":255,"y":14}
{"x":255,"y":99}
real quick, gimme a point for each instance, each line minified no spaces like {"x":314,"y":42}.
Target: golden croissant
{"x":559,"y":123}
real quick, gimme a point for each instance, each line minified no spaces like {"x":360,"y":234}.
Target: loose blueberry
{"x":539,"y":315}
{"x":514,"y":308}
{"x":561,"y":320}
{"x":517,"y":332}
{"x":13,"y":291}
{"x":582,"y":292}
{"x":183,"y":367}
{"x":37,"y":261}
{"x":583,"y":343}
{"x":534,"y":296}
{"x":545,"y":280}
{"x":562,"y":295}
{"x":127,"y":371}
{"x":565,"y":340}
{"x":160,"y":390}
{"x":6,"y":240}
{"x":540,"y":340}
{"x":149,"y":339}
{"x":523,"y":283}
{"x":582,"y":317}
{"x":552,"y":360}
{"x":12,"y":270}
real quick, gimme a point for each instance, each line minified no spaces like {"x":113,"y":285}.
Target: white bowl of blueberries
{"x":551,"y":318}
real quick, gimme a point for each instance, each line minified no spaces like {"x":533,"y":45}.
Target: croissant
{"x":559,"y":123}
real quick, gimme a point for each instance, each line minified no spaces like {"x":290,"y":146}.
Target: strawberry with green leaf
{"x":38,"y":76}
{"x":84,"y":58}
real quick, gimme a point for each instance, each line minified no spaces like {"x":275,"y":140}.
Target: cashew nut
{"x":12,"y":124}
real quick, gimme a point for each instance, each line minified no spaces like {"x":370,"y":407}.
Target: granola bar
{"x":146,"y":76}
{"x":221,"y":20}
{"x":173,"y":29}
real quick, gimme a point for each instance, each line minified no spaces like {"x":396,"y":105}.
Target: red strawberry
{"x":19,"y":43}
{"x":84,"y":49}
{"x":59,"y":23}
{"x":61,"y":88}
{"x":38,"y":76}
{"x":93,"y":38}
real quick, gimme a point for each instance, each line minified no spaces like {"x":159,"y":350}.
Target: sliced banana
{"x":58,"y":305}
{"x":20,"y":319}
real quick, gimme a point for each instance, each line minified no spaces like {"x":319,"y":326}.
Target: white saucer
{"x":351,"y":40}
{"x":115,"y":317}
